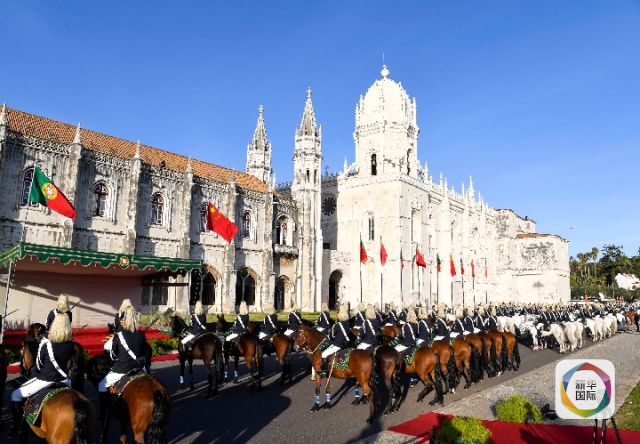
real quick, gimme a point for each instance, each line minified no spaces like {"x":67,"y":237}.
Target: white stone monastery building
{"x":140,"y":228}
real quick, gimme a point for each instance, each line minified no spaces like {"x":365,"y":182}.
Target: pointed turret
{"x":471,"y":189}
{"x":137,"y":153}
{"x":308,"y":126}
{"x":259,"y":151}
{"x":3,"y":122}
{"x":189,"y":168}
{"x":77,"y":138}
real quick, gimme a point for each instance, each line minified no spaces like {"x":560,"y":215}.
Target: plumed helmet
{"x":370,"y":312}
{"x":458,"y":312}
{"x":411,"y":317}
{"x":376,"y":306}
{"x":125,"y":303}
{"x":352,"y":312}
{"x":197,"y":310}
{"x":294,"y":307}
{"x":441,"y":311}
{"x":422,"y":313}
{"x":482,"y":311}
{"x":243,"y":308}
{"x":343,"y":314}
{"x":60,"y":330}
{"x":130,"y":319}
{"x":269,"y":310}
{"x":63,"y":303}
{"x":361,"y":307}
{"x":324,"y":306}
{"x":492,"y":310}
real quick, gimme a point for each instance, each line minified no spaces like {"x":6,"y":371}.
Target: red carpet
{"x":510,"y":433}
{"x":92,"y":339}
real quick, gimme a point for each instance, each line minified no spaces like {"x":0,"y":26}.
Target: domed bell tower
{"x":306,"y":191}
{"x":386,"y":132}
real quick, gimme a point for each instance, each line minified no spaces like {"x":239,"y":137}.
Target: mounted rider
{"x":324,"y":319}
{"x":198,"y":326}
{"x":61,"y":307}
{"x":294,"y":321}
{"x":379,"y":314}
{"x":127,"y":353}
{"x":469,"y":327}
{"x":479,"y":319}
{"x":239,"y":326}
{"x":358,"y":316}
{"x":268,"y":326}
{"x":370,"y":330}
{"x":392,"y":316}
{"x":51,"y":362}
{"x":117,"y":324}
{"x":441,"y":330}
{"x":458,"y":324}
{"x":424,"y":330}
{"x":492,"y":320}
{"x":409,"y":332}
{"x":338,"y":336}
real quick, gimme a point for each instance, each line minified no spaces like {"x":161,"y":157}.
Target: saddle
{"x":409,"y":355}
{"x":33,"y":406}
{"x":341,"y":358}
{"x":117,"y":389}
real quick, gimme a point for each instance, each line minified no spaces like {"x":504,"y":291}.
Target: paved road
{"x":281,"y":413}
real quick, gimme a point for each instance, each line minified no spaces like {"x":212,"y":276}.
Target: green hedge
{"x":520,"y":409}
{"x":463,"y":430}
{"x":162,"y":346}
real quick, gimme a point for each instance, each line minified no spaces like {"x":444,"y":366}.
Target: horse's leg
{"x":191,"y":386}
{"x":397,"y":390}
{"x":236,"y":358}
{"x":316,"y":399}
{"x":181,"y":357}
{"x":366,"y":390}
{"x":327,"y":394}
{"x":208,"y":368}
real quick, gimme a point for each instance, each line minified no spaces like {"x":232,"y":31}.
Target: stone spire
{"x":3,"y":122}
{"x":189,"y":168}
{"x":471,"y":189}
{"x":137,"y":154}
{"x":259,"y":151}
{"x":308,"y":125}
{"x":77,"y":138}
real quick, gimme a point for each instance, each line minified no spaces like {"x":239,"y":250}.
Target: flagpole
{"x":360,"y":269}
{"x":11,"y":270}
{"x":381,"y":278}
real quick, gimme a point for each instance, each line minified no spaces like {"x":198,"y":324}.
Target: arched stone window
{"x":282,"y":231}
{"x":157,"y":209}
{"x":374,"y":165}
{"x":372,"y":230}
{"x":27,"y":178}
{"x":246,"y":224}
{"x":245,"y":287}
{"x":203,"y":216}
{"x":100,"y":199}
{"x":209,"y":289}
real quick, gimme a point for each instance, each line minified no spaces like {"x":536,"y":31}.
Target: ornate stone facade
{"x":298,"y":241}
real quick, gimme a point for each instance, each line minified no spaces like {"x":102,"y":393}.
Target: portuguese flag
{"x":438,"y":262}
{"x":46,"y":193}
{"x":363,"y":252}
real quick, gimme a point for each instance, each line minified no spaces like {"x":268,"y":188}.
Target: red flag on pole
{"x":383,"y":254}
{"x":485,"y":269}
{"x":438,"y":263}
{"x":419,"y":259}
{"x":452,"y":266}
{"x":363,"y":252}
{"x":401,"y":260}
{"x":218,"y":222}
{"x":473,"y":269}
{"x":461,"y":267}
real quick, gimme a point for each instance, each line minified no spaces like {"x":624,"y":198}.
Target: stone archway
{"x":335,"y":280}
{"x":283,"y":286}
{"x":246,"y":284}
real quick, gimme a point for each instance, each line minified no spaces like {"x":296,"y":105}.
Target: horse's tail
{"x":376,"y":390}
{"x":288,"y":354}
{"x":81,"y":430}
{"x":476,"y":364}
{"x":259,"y":359}
{"x":159,"y":417}
{"x":219,"y":360}
{"x":494,"y":355}
{"x":516,"y":355}
{"x":504,"y":355}
{"x":484,"y":355}
{"x":452,"y":369}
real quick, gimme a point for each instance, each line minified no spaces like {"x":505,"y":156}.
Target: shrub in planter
{"x":161,"y":346}
{"x":463,"y":430}
{"x":517,"y":408}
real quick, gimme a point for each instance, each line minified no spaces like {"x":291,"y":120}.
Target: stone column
{"x":132,"y":199}
{"x":70,"y":183}
{"x":228,"y":299}
{"x":268,"y":278}
{"x":3,"y":136}
{"x":185,"y":242}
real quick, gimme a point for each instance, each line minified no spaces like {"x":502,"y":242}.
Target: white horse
{"x":600,"y":328}
{"x":570,"y":332}
{"x":558,"y":332}
{"x":611,"y":325}
{"x":578,"y":333}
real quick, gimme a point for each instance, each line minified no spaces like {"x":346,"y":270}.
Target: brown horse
{"x":67,"y":416}
{"x":448,"y":368}
{"x":207,"y":347}
{"x":633,"y":318}
{"x":360,"y":367}
{"x":144,"y":405}
{"x":245,"y":345}
{"x":511,"y":344}
{"x":391,"y":331}
{"x":427,"y":366}
{"x":502,"y":357}
{"x":478,"y":342}
{"x":467,"y":359}
{"x":282,"y":347}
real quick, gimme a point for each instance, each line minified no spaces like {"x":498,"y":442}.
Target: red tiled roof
{"x":44,"y":128}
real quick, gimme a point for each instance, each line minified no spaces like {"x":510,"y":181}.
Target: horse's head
{"x":177,"y":326}
{"x":27,"y":354}
{"x":221,"y":324}
{"x":303,"y":337}
{"x":35,"y":331}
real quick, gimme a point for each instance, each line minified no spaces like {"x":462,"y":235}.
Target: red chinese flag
{"x":461,"y":267}
{"x":218,"y":222}
{"x":452,"y":266}
{"x":383,"y":254}
{"x":473,"y":269}
{"x":363,"y":253}
{"x":420,"y":260}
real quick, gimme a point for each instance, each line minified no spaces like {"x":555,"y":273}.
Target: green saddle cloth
{"x":33,"y":406}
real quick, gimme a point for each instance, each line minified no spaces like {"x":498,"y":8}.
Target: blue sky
{"x":538,"y":100}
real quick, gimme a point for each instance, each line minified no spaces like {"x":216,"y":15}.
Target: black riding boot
{"x":105,"y":405}
{"x":17,"y":418}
